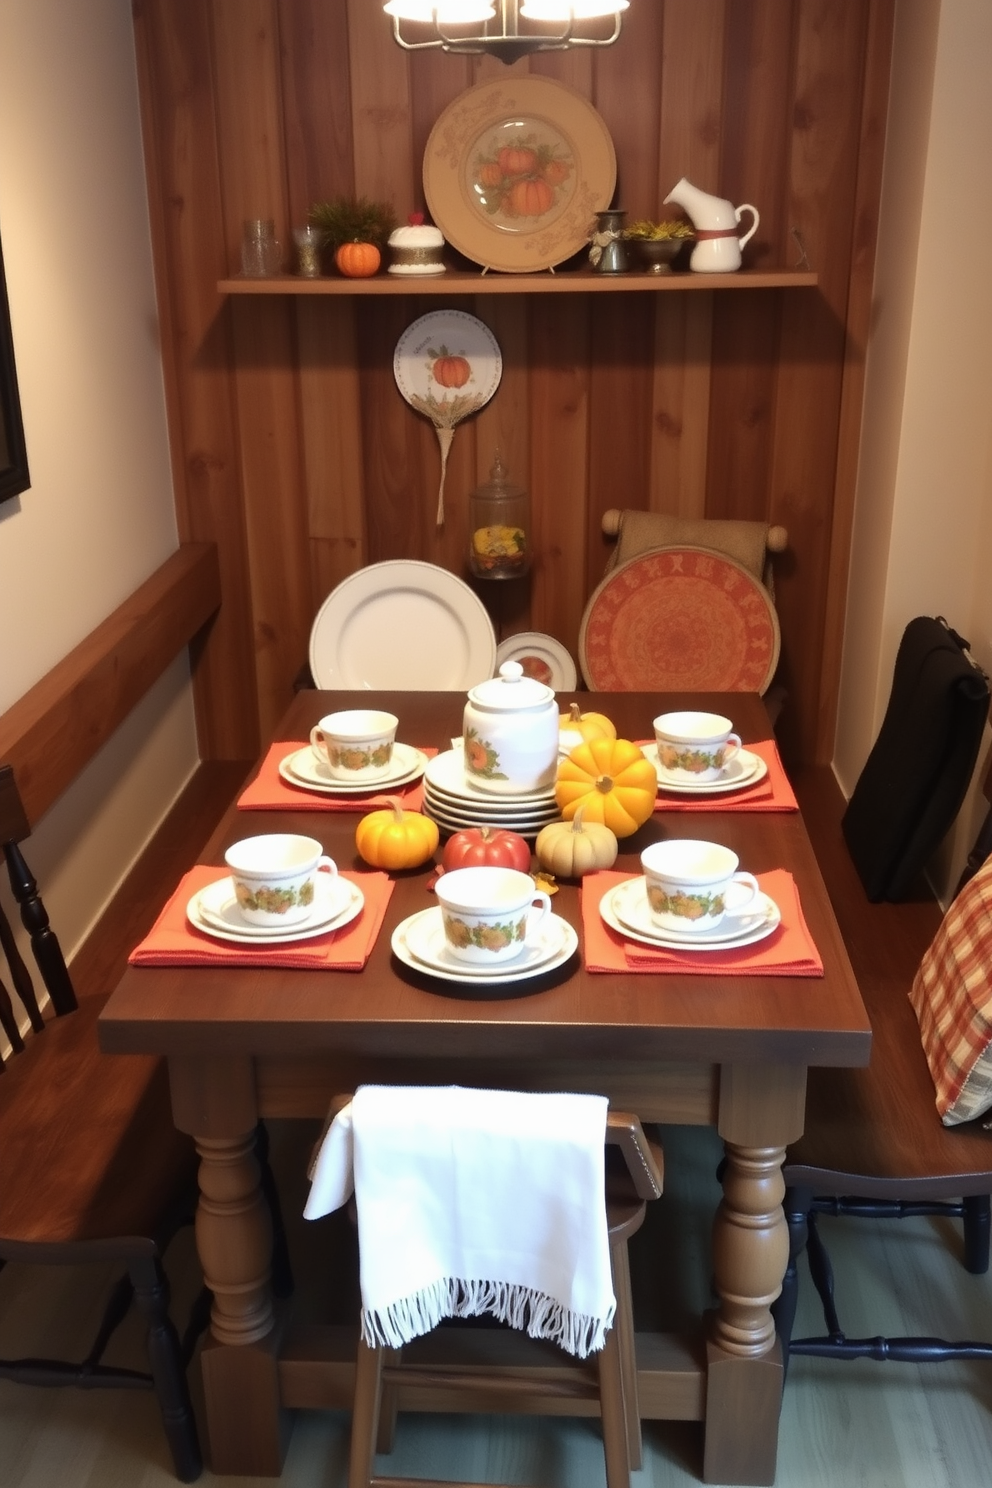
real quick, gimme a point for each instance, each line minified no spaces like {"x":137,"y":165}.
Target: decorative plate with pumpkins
{"x":447,"y":365}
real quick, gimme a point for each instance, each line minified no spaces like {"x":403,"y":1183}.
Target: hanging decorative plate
{"x":447,"y":365}
{"x":679,"y":619}
{"x":515,"y":171}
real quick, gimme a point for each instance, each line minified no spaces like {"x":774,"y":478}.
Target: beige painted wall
{"x":923,"y":534}
{"x":99,"y":516}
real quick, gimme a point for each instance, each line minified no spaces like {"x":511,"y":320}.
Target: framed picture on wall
{"x":14,"y":476}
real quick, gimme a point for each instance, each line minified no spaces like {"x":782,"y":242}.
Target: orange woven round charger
{"x":679,"y":619}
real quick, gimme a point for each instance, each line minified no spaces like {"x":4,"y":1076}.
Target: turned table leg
{"x":761,"y":1109}
{"x":246,"y":1426}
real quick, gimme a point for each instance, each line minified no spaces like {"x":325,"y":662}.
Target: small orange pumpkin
{"x":490,"y":173}
{"x":451,"y":371}
{"x":556,"y":171}
{"x":358,"y":260}
{"x":607,"y":778}
{"x":530,"y":197}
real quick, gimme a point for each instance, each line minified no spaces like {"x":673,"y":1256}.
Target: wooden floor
{"x":881,"y":1425}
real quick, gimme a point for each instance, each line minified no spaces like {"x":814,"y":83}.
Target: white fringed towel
{"x":474,"y":1201}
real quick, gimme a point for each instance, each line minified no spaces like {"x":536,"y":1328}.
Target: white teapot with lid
{"x":510,"y":734}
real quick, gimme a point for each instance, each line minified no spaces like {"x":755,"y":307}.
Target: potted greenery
{"x":356,"y":229}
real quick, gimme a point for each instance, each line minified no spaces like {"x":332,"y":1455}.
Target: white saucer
{"x":214,"y":910}
{"x":302,"y":768}
{"x":419,"y":943}
{"x":445,"y":773}
{"x":625,"y":909}
{"x":744,"y":769}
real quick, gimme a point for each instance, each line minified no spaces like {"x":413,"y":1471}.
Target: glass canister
{"x":499,"y":527}
{"x":261,"y":253}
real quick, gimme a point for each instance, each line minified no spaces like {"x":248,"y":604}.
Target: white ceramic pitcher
{"x":717,"y":223}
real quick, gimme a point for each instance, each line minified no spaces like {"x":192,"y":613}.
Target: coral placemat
{"x":788,"y":951}
{"x":173,"y":941}
{"x":269,"y":792}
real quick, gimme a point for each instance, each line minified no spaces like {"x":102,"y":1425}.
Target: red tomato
{"x":478,"y":847}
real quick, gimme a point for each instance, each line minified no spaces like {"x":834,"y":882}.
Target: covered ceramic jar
{"x":510,"y":734}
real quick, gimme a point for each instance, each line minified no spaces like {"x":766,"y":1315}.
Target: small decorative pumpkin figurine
{"x":573,"y":849}
{"x":575,"y":727}
{"x":394,"y":838}
{"x":358,"y":260}
{"x":477,"y":847}
{"x":612,"y":780}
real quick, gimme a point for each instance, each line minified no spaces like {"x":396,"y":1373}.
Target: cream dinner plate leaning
{"x":625,"y":909}
{"x":214,"y":910}
{"x":302,"y":768}
{"x":418,"y":942}
{"x":402,"y":624}
{"x":744,"y":769}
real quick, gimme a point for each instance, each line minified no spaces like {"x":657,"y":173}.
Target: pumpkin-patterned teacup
{"x":489,"y":913}
{"x":695,"y":746}
{"x":691,"y":885}
{"x":356,"y":745}
{"x":275,"y":877}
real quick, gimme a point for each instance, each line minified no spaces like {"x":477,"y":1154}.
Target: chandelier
{"x":492,"y":27}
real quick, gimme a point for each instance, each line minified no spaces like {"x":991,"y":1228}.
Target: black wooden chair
{"x":92,"y":1167}
{"x":873,"y":1144}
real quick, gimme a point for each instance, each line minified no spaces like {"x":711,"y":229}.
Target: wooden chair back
{"x":634,"y":1175}
{"x":14,"y":828}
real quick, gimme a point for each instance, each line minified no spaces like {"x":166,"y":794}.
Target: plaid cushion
{"x":952,"y":998}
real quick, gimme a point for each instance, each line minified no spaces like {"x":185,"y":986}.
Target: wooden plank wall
{"x":294,"y":451}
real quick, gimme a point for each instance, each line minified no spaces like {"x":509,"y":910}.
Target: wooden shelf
{"x":572,"y":281}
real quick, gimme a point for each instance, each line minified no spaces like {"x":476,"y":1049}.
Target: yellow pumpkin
{"x":586,"y":725}
{"x":357,"y":260}
{"x":572,"y":849}
{"x":612,"y":781}
{"x":394,"y":838}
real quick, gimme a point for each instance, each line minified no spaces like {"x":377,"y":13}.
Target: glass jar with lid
{"x":499,"y":527}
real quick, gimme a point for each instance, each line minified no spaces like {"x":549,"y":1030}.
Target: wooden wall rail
{"x":292,"y":448}
{"x":57,"y":727}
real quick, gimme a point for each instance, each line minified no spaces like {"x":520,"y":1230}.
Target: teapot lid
{"x":511,"y":690}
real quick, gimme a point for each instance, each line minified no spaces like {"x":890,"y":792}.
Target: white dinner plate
{"x":744,"y":769}
{"x":445,"y":775}
{"x":542,"y":657}
{"x":214,"y":910}
{"x":422,"y":935}
{"x":402,"y":624}
{"x":302,"y":768}
{"x":523,"y":827}
{"x":479,"y":816}
{"x":625,"y":909}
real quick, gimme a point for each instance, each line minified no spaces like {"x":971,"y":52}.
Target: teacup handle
{"x":746,"y":881}
{"x":731,"y":749}
{"x":540,"y":908}
{"x":328,"y":864}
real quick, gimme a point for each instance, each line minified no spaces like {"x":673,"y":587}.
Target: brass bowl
{"x":656,"y":254}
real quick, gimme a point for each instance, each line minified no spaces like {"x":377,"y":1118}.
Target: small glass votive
{"x":261,"y":253}
{"x":309,"y":241}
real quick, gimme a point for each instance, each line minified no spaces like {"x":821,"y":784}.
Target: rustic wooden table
{"x":719,"y":1050}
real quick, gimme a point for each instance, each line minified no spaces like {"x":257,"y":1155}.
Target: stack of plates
{"x":454,"y":803}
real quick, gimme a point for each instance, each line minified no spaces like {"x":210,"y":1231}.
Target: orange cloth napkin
{"x":773,"y":793}
{"x":788,"y":951}
{"x":269,"y":792}
{"x":173,"y":941}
